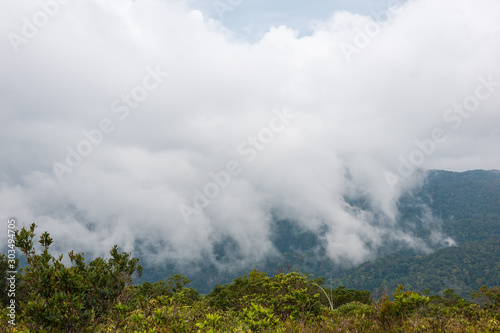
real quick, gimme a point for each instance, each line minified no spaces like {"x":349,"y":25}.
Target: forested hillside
{"x":466,"y":207}
{"x":468,"y":204}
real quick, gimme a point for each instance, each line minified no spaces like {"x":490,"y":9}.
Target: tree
{"x":65,"y":299}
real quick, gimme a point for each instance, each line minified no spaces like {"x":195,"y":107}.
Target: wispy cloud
{"x":353,"y":122}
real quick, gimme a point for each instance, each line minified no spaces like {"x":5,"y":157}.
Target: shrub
{"x":58,"y":298}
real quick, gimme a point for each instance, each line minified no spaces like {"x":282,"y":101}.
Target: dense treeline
{"x":100,"y":296}
{"x":468,"y":203}
{"x":465,"y":268}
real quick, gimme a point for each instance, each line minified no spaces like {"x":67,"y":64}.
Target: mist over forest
{"x":352,"y":140}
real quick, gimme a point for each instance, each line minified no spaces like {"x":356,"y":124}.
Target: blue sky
{"x":251,"y":18}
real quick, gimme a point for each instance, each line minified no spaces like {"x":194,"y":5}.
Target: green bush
{"x":287,"y":295}
{"x":54,"y":297}
{"x":356,"y":309}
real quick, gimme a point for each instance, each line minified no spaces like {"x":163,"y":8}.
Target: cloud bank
{"x":121,"y":118}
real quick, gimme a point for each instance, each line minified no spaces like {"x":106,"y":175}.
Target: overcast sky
{"x":188,"y":122}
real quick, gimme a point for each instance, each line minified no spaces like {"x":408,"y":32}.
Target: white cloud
{"x":353,"y":122}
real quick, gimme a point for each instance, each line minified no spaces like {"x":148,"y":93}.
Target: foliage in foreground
{"x":99,"y":296}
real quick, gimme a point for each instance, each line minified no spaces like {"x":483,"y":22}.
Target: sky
{"x":179,"y":124}
{"x":251,"y":19}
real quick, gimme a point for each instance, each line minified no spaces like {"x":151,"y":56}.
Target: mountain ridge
{"x":467,"y":207}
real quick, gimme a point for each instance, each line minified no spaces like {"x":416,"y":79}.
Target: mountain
{"x":466,"y":206}
{"x":468,"y":203}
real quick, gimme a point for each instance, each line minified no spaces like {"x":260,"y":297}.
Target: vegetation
{"x":100,"y":296}
{"x":465,"y":269}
